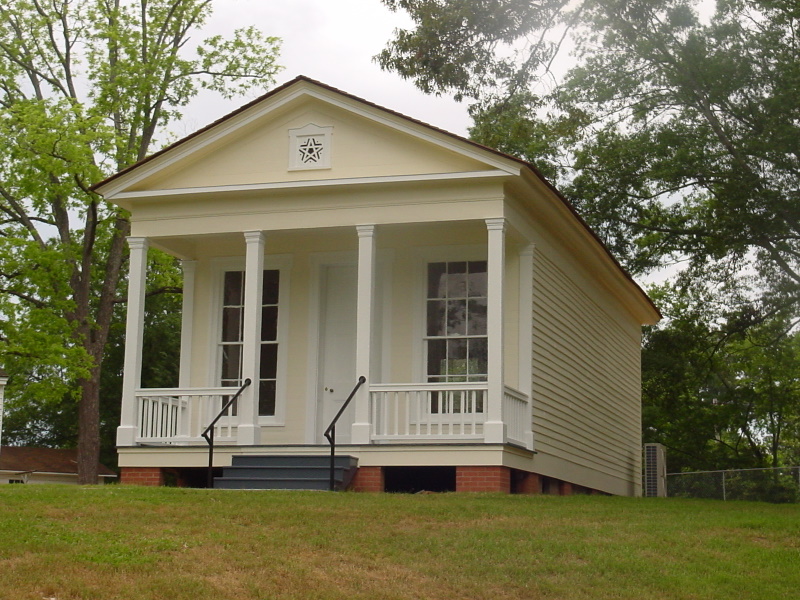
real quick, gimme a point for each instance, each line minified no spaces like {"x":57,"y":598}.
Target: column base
{"x":360,"y":433}
{"x":494,"y":432}
{"x":248,"y":435}
{"x":126,"y":435}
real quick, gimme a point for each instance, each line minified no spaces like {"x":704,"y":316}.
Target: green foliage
{"x":85,"y":88}
{"x":718,"y":391}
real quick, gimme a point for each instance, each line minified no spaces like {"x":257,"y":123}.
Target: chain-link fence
{"x":780,"y":484}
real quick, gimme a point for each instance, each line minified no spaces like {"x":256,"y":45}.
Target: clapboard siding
{"x":586,"y":380}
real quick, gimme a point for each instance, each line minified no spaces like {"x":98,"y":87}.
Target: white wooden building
{"x":323,"y":238}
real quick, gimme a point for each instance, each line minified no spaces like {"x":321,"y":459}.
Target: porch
{"x":438,"y":330}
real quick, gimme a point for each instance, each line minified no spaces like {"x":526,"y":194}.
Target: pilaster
{"x":526,"y":267}
{"x":189,"y":268}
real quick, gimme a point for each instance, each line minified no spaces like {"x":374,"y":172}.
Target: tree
{"x":719,"y":393}
{"x":85,"y":87}
{"x":678,"y":138}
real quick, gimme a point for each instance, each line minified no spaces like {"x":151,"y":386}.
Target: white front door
{"x":337,"y":357}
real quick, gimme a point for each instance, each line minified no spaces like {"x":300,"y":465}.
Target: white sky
{"x":332,"y":41}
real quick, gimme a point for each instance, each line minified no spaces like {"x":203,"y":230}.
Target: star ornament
{"x":310,"y":151}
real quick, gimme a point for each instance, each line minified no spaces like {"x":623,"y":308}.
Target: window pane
{"x":269,"y":361}
{"x":456,"y":317}
{"x":269,"y":323}
{"x":457,"y":280}
{"x":436,"y":314}
{"x":233,"y":288}
{"x":456,"y":360}
{"x":270,"y":287}
{"x":437,"y":280}
{"x":231,"y":362}
{"x":477,"y":317}
{"x":478,"y":363}
{"x":477,"y":279}
{"x":437,"y":355}
{"x":266,"y":398}
{"x":231,"y":324}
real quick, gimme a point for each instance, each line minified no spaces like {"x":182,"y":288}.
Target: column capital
{"x":528,"y":249}
{"x":253,"y":237}
{"x":496,"y":224}
{"x":138,"y":243}
{"x":365,"y":230}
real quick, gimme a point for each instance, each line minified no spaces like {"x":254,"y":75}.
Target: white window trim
{"x":423,"y":256}
{"x":283,"y":264}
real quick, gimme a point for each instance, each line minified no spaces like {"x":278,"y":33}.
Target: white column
{"x":249,"y":432}
{"x":134,"y":330}
{"x":494,"y":430}
{"x":360,"y":432}
{"x":187,"y":320}
{"x":526,"y":267}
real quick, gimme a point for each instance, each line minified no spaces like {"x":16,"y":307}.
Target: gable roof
{"x":26,"y":459}
{"x":463,"y":142}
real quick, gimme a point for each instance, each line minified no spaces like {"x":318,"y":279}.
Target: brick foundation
{"x":528,"y":483}
{"x":483,"y":479}
{"x":152,"y":476}
{"x":565,"y":488}
{"x":368,"y":479}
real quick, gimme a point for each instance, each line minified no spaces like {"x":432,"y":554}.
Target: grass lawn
{"x":62,"y":542}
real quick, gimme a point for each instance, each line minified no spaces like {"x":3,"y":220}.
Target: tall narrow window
{"x":232,"y":336}
{"x":456,"y":322}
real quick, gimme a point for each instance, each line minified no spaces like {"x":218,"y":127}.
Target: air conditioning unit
{"x":655,"y":471}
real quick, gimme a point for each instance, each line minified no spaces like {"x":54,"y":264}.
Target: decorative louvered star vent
{"x":310,"y":147}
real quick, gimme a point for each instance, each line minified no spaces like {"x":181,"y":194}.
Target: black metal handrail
{"x":330,"y":432}
{"x":208,"y":433}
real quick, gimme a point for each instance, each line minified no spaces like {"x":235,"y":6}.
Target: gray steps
{"x":296,"y":472}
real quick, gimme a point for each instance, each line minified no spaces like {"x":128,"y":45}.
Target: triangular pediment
{"x":305,"y":133}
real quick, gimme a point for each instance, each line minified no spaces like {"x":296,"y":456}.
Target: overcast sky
{"x":332,"y":41}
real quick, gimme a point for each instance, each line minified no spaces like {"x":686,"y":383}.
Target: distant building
{"x":22,"y":464}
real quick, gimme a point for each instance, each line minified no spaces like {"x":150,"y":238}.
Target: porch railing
{"x":434,"y":411}
{"x":443,"y":411}
{"x":179,"y":416}
{"x":516,"y":416}
{"x":398,"y":412}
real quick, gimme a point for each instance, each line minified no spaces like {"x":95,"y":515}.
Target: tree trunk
{"x":89,"y":428}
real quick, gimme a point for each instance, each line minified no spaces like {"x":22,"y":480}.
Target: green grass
{"x":144,"y":543}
